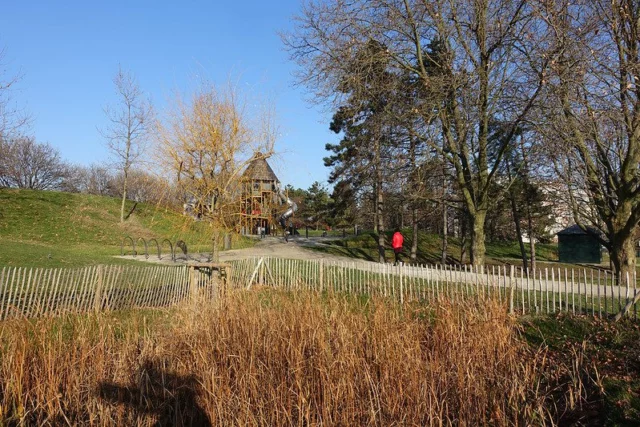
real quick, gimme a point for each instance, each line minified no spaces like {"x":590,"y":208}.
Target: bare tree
{"x":94,"y":179}
{"x":143,"y":186}
{"x":100,"y":181}
{"x":27,"y":164}
{"x":75,"y":180}
{"x":12,"y":118}
{"x":595,"y":126}
{"x":476,"y":61}
{"x":205,"y":145}
{"x":4,"y":160}
{"x":128,"y":130}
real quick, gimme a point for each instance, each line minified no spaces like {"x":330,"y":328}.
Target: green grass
{"x":56,"y":229}
{"x":612,"y":350}
{"x":301,"y":274}
{"x":21,"y":254}
{"x":364,"y":246}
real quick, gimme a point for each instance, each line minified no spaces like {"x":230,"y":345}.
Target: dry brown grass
{"x":271,"y":358}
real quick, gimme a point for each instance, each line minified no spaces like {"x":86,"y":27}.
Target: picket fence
{"x":550,"y":290}
{"x":37,"y":292}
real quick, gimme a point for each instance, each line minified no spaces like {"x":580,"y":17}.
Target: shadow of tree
{"x":360,"y":253}
{"x":171,"y":398}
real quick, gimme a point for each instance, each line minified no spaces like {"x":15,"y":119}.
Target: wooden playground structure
{"x":261,"y":199}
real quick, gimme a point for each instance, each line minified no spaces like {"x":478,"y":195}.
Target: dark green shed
{"x":577,"y":246}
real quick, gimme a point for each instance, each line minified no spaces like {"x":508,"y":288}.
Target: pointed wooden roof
{"x":260,"y":170}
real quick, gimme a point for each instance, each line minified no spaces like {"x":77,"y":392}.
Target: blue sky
{"x":69,"y":51}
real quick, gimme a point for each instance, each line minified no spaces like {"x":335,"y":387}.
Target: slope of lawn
{"x":365,"y":246}
{"x":52,"y":229}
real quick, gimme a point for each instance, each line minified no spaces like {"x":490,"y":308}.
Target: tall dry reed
{"x":271,"y":358}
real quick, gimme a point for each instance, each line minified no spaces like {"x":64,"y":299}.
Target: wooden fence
{"x":35,"y":292}
{"x":550,"y":290}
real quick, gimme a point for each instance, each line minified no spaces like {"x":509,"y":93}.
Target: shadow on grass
{"x":171,"y":398}
{"x":340,"y":249}
{"x":612,"y":372}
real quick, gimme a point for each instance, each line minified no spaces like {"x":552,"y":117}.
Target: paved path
{"x":296,"y":248}
{"x":300,"y":248}
{"x":273,"y":247}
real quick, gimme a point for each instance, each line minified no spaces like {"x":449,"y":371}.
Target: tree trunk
{"x":516,"y":220}
{"x":477,"y":237}
{"x":375,"y":209}
{"x":413,"y":200}
{"x":381,"y":245}
{"x":623,"y":257}
{"x":622,"y":242}
{"x":379,"y":205}
{"x":464,"y":222}
{"x":532,"y":250}
{"x":414,"y":241}
{"x":471,"y":241}
{"x":532,"y":240}
{"x":445,"y":219}
{"x":125,"y":170}
{"x":215,"y":257}
{"x":124,"y":194}
{"x":445,"y":240}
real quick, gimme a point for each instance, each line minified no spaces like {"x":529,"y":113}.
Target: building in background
{"x":578,"y":246}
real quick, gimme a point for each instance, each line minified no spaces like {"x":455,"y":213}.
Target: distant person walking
{"x":396,"y":243}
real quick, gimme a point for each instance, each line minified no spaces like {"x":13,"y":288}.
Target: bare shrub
{"x":142,"y":186}
{"x":13,"y":118}
{"x":26,"y":163}
{"x":128,"y":129}
{"x":269,"y":358}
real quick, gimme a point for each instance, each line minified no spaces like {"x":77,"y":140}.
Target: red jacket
{"x":397,"y":240}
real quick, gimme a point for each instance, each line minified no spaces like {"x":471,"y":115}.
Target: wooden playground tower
{"x":260,"y":200}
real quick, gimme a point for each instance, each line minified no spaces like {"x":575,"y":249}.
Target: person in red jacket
{"x":396,"y":243}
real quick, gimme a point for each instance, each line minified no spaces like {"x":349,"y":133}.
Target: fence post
{"x":321,"y":274}
{"x":261,"y":274}
{"x":193,"y":283}
{"x":215,"y":250}
{"x":97,"y":299}
{"x":401,"y":285}
{"x":511,"y":269}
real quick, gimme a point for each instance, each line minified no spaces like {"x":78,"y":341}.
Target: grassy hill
{"x":52,"y":229}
